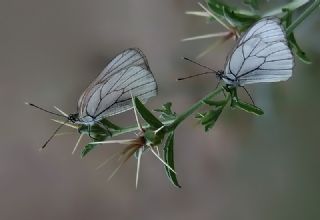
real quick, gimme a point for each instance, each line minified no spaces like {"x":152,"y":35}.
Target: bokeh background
{"x":247,"y":167}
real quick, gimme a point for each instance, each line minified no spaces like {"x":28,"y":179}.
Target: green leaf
{"x":152,"y":138}
{"x":215,"y":103}
{"x":166,"y":112}
{"x":297,"y":49}
{"x":240,"y":19}
{"x":99,"y":131}
{"x":287,"y":19}
{"x":233,"y":93}
{"x":96,"y":132}
{"x":292,"y":6}
{"x":146,"y":114}
{"x":169,"y":159}
{"x":216,"y":6}
{"x":248,"y":107}
{"x":87,"y":149}
{"x":251,"y":3}
{"x":109,"y":124}
{"x":208,"y":119}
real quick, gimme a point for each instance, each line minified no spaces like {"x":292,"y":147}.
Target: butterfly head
{"x":219,"y":74}
{"x":73,"y":117}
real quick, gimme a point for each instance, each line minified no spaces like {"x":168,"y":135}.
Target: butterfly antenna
{"x":54,"y":134}
{"x":199,"y":74}
{"x":203,"y":66}
{"x":248,"y":94}
{"x":45,"y":110}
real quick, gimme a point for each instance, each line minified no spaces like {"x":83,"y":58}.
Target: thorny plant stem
{"x":172,"y":124}
{"x":136,"y":128}
{"x":193,"y":108}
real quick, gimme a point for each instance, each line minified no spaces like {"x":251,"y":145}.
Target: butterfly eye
{"x":219,"y":75}
{"x":73,"y":117}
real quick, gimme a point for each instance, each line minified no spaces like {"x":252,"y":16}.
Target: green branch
{"x":173,"y":123}
{"x":193,"y":108}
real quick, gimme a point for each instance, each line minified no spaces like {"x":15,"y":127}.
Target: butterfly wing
{"x":261,"y":55}
{"x":110,"y":93}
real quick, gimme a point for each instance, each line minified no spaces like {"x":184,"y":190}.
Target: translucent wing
{"x":261,"y":55}
{"x":110,"y":92}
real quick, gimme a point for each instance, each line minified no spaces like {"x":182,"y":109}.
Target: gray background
{"x":247,"y":167}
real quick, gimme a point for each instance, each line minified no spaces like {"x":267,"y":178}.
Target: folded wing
{"x":110,"y":94}
{"x":261,"y":55}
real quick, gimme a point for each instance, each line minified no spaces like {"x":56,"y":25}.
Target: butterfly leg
{"x":248,"y":94}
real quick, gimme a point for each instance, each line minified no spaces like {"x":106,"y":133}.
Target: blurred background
{"x":247,"y":167}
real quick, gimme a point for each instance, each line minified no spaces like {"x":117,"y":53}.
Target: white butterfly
{"x":110,"y":93}
{"x":127,"y":75}
{"x":261,"y":55}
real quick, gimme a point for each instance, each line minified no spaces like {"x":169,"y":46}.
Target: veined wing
{"x":261,"y":55}
{"x":110,"y":93}
{"x":124,"y":60}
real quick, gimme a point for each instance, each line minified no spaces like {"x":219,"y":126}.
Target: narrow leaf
{"x":248,"y":107}
{"x":287,"y":20}
{"x":241,"y":21}
{"x":166,"y":112}
{"x":210,"y":118}
{"x":236,"y":18}
{"x":252,"y":3}
{"x":215,"y":103}
{"x":292,"y":6}
{"x":297,"y":49}
{"x":169,"y":159}
{"x":87,"y":149}
{"x":109,"y":124}
{"x":95,"y":132}
{"x":146,"y":114}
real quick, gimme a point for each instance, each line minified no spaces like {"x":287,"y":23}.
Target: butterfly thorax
{"x":77,"y":119}
{"x":233,"y":82}
{"x":220,"y":74}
